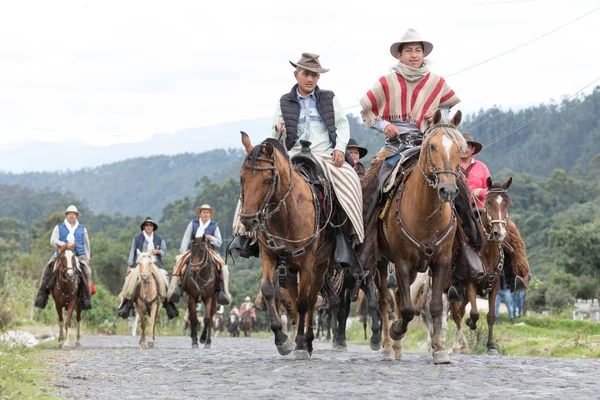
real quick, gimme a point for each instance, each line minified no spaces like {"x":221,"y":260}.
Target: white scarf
{"x":202,"y":227}
{"x":71,"y":235}
{"x":150,"y":244}
{"x":409,"y":73}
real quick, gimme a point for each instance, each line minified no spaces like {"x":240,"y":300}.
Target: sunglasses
{"x":148,"y":224}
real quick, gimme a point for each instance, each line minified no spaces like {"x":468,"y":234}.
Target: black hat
{"x":353,"y":145}
{"x":148,"y":219}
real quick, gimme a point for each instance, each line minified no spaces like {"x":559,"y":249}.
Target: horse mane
{"x":514,"y":245}
{"x":449,"y":130}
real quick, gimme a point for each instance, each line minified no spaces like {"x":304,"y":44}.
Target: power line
{"x":540,"y":115}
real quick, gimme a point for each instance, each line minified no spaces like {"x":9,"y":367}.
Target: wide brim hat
{"x":72,"y":208}
{"x":247,"y":298}
{"x":411,"y":36}
{"x":148,"y":219}
{"x":205,"y":207}
{"x":476,"y":145}
{"x":310,"y":62}
{"x":352,"y":144}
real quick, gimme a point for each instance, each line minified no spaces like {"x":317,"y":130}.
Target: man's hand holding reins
{"x":338,"y":158}
{"x":156,"y":251}
{"x":391,"y":131}
{"x":281,"y":127}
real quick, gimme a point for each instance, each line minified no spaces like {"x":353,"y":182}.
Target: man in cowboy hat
{"x":475,"y":171}
{"x":356,"y":153}
{"x":146,"y":240}
{"x":72,"y":233}
{"x":247,"y":310}
{"x":401,"y":105}
{"x":308,"y":113}
{"x":202,"y":225}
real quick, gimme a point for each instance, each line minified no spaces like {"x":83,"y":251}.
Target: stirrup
{"x":519,"y":284}
{"x":456,"y":294}
{"x":171,"y":310}
{"x":124,"y":309}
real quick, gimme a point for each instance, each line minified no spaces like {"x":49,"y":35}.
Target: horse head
{"x":265,"y":173}
{"x":439,"y":160}
{"x":496,"y":208}
{"x":198,"y":252}
{"x":145,"y":264}
{"x":68,"y":263}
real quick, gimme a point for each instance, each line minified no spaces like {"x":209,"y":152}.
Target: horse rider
{"x":401,"y":105}
{"x":357,"y":152}
{"x":234,"y":310}
{"x":474,"y":170}
{"x":247,"y":309}
{"x":204,"y":224}
{"x":71,"y":232}
{"x":308,"y":113}
{"x":144,"y":241}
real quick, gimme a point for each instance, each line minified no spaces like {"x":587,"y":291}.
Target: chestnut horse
{"x":200,"y":284}
{"x":420,"y":232}
{"x":66,"y":295}
{"x":498,"y":227}
{"x":279,"y":206}
{"x":147,"y":299}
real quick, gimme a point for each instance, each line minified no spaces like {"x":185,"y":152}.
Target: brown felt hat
{"x":352,"y":144}
{"x":310,"y":62}
{"x":476,"y":145}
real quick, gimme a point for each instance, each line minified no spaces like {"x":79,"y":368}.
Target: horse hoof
{"x":493,"y":352}
{"x":202,"y":341}
{"x":395,"y":336}
{"x":194,"y":345}
{"x":301,"y":355}
{"x":388,"y":356}
{"x":66,"y":346}
{"x":78,"y":346}
{"x":60,"y":345}
{"x":441,"y":357}
{"x":150,"y":345}
{"x":340,"y":348}
{"x":207,"y":346}
{"x":142,"y":346}
{"x":465,"y":350}
{"x":375,"y":346}
{"x":285,"y":348}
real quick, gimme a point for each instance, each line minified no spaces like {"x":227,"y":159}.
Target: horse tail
{"x":328,"y":292}
{"x":514,"y":249}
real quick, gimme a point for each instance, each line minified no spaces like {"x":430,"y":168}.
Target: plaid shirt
{"x":312,"y":128}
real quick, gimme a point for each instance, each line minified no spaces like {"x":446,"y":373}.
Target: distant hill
{"x":535,"y":140}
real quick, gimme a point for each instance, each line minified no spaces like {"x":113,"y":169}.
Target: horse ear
{"x":437,"y":116}
{"x":269,"y":149}
{"x":457,"y":118}
{"x":488,"y":182}
{"x":246,"y":142}
{"x":138,"y":252}
{"x":507,"y":184}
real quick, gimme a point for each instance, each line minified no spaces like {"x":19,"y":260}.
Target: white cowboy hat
{"x":72,"y":208}
{"x":411,"y":36}
{"x":247,"y":298}
{"x":205,"y":207}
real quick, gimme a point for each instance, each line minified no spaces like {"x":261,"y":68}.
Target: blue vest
{"x":63,"y":231}
{"x":139,"y":245}
{"x":210,"y":229}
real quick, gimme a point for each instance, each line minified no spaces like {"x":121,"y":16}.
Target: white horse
{"x":420,"y":293}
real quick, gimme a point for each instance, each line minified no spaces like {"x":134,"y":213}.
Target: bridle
{"x":74,"y":280}
{"x":434,"y":183}
{"x":491,"y":221}
{"x":144,"y":289}
{"x":196,"y":272}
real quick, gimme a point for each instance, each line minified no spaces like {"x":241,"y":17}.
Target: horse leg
{"x":71,"y":305}
{"x":61,"y":324}
{"x":208,"y":320}
{"x":193,"y":317}
{"x":491,"y":318}
{"x":439,"y":279}
{"x":153,"y":317}
{"x":301,"y":349}
{"x":313,"y":291}
{"x":284,"y":346}
{"x":403,"y":301}
{"x":373,"y":311}
{"x":388,"y":352}
{"x":78,"y":343}
{"x":458,"y":312}
{"x":474,"y":314}
{"x":141,"y":309}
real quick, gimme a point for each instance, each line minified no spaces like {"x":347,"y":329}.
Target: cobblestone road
{"x":113,"y":367}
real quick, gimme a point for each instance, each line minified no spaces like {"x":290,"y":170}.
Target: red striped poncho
{"x":393,"y":98}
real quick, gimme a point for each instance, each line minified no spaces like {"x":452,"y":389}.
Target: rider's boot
{"x":174,"y":292}
{"x":124,"y":308}
{"x":44,"y":291}
{"x":241,"y":246}
{"x":224,"y":297}
{"x":85,"y":292}
{"x":171,"y":309}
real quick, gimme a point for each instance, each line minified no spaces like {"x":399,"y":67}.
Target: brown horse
{"x":501,"y":232}
{"x":246,"y":323}
{"x":147,"y":296}
{"x":200,"y":284}
{"x":420,"y":233}
{"x":279,"y":206}
{"x":66,"y":295}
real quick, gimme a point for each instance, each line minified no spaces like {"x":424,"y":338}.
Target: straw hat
{"x":205,"y":207}
{"x":310,"y":62}
{"x":247,"y":298}
{"x":72,"y":208}
{"x":476,"y":145}
{"x":411,"y":36}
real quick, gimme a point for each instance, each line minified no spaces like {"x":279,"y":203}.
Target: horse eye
{"x":268,"y":180}
{"x":433,"y":147}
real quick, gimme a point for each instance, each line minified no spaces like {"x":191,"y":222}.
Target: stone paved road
{"x":113,"y":367}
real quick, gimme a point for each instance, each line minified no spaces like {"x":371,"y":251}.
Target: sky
{"x":107,"y":72}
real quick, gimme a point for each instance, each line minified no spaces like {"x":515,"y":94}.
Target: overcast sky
{"x":113,"y":71}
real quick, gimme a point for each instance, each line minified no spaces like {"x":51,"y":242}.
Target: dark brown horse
{"x":279,"y":206}
{"x":200,"y":284}
{"x":418,"y":232}
{"x":66,"y":295}
{"x":501,"y":232}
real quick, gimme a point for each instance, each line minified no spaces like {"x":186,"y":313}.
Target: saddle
{"x":308,"y":166}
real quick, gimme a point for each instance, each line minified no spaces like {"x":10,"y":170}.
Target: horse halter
{"x":491,"y":221}
{"x":434,"y":183}
{"x":204,"y":257}
{"x":261,"y":213}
